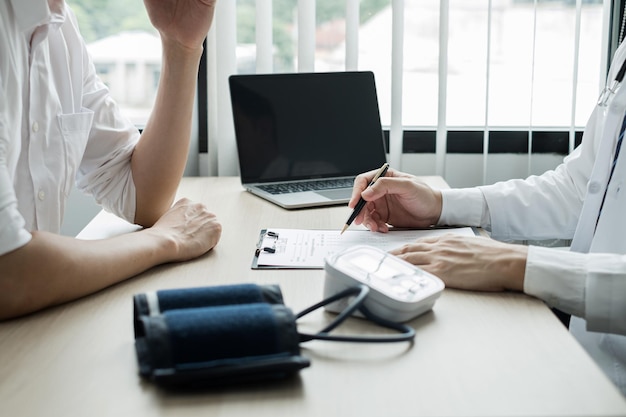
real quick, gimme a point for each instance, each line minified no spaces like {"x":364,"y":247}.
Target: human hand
{"x":190,"y":227}
{"x":184,"y":22}
{"x":469,"y":263}
{"x":397,"y":199}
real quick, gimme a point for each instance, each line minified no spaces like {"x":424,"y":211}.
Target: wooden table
{"x":475,"y":354}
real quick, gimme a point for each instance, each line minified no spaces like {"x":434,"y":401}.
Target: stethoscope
{"x":605,"y":97}
{"x":609,"y":91}
{"x":586,"y":229}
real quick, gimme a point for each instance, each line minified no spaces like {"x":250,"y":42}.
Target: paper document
{"x":301,"y":248}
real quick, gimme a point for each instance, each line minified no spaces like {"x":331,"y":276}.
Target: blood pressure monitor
{"x":399,"y":291}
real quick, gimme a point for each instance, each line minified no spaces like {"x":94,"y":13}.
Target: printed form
{"x":304,"y":248}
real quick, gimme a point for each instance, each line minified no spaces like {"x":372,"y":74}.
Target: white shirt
{"x":58,"y":124}
{"x":563,"y":204}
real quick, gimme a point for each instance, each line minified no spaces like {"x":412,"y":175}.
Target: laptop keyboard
{"x":312,"y":185}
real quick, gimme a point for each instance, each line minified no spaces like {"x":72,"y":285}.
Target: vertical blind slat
{"x":397,"y":73}
{"x":487,"y":91}
{"x":440,"y":153}
{"x":572,"y":130}
{"x":532,"y":88}
{"x":604,"y":61}
{"x":226,"y":45}
{"x":306,"y":35}
{"x":264,"y":40}
{"x":212,"y":128}
{"x":352,"y":34}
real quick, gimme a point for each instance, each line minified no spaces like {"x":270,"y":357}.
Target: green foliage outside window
{"x":102,"y":18}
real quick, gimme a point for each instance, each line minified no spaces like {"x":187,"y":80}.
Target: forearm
{"x":160,"y":156}
{"x":53,"y":269}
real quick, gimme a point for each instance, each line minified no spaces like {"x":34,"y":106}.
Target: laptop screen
{"x":306,"y":125}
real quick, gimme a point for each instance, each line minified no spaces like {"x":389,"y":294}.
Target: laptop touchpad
{"x":339,"y":193}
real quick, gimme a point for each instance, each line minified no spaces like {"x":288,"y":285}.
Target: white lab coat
{"x":565,"y":203}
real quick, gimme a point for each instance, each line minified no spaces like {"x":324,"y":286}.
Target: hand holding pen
{"x":359,"y":206}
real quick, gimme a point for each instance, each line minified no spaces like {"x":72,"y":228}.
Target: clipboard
{"x":262,"y":247}
{"x":307,"y":248}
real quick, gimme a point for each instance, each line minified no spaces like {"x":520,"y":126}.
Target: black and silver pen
{"x":359,"y":206}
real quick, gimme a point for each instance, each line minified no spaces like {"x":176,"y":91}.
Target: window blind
{"x":352,"y":34}
{"x":222,"y":44}
{"x":264,"y":38}
{"x":222,"y":62}
{"x":306,"y":35}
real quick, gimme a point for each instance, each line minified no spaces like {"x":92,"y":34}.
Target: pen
{"x":359,"y":206}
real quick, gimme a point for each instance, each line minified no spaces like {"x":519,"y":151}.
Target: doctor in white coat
{"x":583,"y":199}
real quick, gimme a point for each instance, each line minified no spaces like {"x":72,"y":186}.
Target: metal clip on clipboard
{"x":260,"y":244}
{"x":263,"y":246}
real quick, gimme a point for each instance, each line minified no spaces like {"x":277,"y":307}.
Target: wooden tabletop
{"x":475,"y":354}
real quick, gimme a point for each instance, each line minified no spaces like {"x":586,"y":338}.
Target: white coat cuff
{"x":461,"y":207}
{"x":557,"y":276}
{"x":606,"y":286}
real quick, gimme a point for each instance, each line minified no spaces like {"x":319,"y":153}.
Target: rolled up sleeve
{"x":105,"y":170}
{"x":13,"y":233}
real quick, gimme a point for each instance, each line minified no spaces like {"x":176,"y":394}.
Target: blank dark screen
{"x":306,"y":125}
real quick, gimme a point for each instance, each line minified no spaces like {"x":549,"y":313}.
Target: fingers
{"x":192,"y":227}
{"x":416,"y":253}
{"x":473,"y":263}
{"x":361,"y":182}
{"x":202,"y":225}
{"x":372,"y":219}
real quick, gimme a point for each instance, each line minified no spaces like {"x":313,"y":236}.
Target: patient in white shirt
{"x":59,"y":125}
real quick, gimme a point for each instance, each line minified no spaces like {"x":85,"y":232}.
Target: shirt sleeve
{"x":547,"y":206}
{"x":591,"y":286}
{"x":463,"y":207}
{"x":105,"y":169}
{"x":13,"y":234}
{"x":537,"y":208}
{"x":557,"y":276}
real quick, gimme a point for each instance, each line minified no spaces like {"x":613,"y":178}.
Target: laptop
{"x":303,"y":137}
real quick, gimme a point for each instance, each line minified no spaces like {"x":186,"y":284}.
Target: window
{"x":470,"y":67}
{"x":126,"y":51}
{"x":509,"y":62}
{"x":460,"y":66}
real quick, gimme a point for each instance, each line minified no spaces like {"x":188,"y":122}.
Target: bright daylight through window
{"x":508,"y":66}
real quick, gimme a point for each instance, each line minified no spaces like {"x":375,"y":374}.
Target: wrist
{"x":515,"y":267}
{"x":178,"y":52}
{"x":163,"y":247}
{"x":438,"y":206}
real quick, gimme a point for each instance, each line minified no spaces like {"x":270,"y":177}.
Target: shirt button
{"x":35,"y":127}
{"x":41,"y":195}
{"x":594,"y":187}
